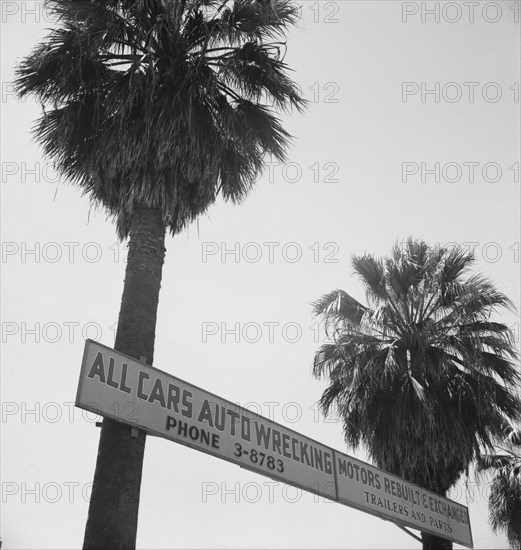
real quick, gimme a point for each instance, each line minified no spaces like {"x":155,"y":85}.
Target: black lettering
{"x":328,"y":463}
{"x":276,"y":441}
{"x":220,"y":419}
{"x":294,"y":443}
{"x":141,"y":378}
{"x":245,"y":428}
{"x":157,"y":393}
{"x":173,"y":398}
{"x":387,"y":485}
{"x":205,"y":415}
{"x":182,"y":429}
{"x":357,"y":468}
{"x":285,"y":445}
{"x":318,"y":459}
{"x":110,"y":377}
{"x":370,"y":478}
{"x":97,"y":368}
{"x":187,"y":404}
{"x":263,"y":434}
{"x":205,"y":437}
{"x":234,"y":417}
{"x":304,"y":453}
{"x":123,"y":386}
{"x":363,"y":473}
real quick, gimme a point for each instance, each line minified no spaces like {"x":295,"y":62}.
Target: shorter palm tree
{"x":422,"y":377}
{"x":504,"y":503}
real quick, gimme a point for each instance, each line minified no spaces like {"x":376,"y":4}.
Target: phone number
{"x":260,"y":458}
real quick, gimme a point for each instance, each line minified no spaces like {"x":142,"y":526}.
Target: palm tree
{"x":154,"y":108}
{"x":505,"y":491}
{"x":422,"y":377}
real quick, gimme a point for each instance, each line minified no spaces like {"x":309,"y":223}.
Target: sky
{"x":413,"y":128}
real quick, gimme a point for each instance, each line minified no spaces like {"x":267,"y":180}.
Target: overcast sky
{"x":412,"y":129}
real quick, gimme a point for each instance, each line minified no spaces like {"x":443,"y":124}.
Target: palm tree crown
{"x":162,"y":104}
{"x":422,"y":376}
{"x":155,"y":108}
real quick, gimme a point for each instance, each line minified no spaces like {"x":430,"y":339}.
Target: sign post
{"x":122,"y":388}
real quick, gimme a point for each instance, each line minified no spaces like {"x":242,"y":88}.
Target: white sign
{"x":117,"y":386}
{"x":380,"y":493}
{"x":120,"y":387}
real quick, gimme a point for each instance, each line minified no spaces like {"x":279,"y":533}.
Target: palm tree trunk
{"x":432,"y":542}
{"x":114,"y":503}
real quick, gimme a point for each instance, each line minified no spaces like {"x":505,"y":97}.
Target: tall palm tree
{"x":422,"y":376}
{"x":504,"y":503}
{"x":155,"y":108}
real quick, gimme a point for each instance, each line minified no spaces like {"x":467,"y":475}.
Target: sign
{"x":390,"y":497}
{"x":120,"y":387}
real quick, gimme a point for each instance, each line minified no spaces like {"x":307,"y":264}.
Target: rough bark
{"x":432,"y":542}
{"x":114,"y":503}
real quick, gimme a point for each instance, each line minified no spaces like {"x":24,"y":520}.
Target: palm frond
{"x":165,"y":102}
{"x":424,"y":378}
